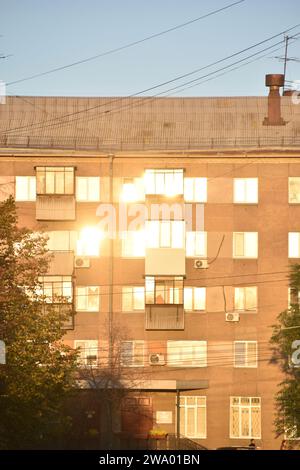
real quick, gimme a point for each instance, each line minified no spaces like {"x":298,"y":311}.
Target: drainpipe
{"x":111,"y":267}
{"x":178,"y":414}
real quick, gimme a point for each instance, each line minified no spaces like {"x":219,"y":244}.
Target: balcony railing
{"x":164,"y":317}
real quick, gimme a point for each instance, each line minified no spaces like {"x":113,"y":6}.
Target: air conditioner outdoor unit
{"x":82,"y":262}
{"x":232,"y":316}
{"x":200,"y":264}
{"x":157,"y":359}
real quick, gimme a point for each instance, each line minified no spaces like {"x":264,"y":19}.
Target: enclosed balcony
{"x":164,"y":303}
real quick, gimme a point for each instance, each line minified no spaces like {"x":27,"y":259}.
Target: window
{"x":245,"y":244}
{"x":55,"y":180}
{"x":245,"y":299}
{"x":88,"y":298}
{"x":246,"y":190}
{"x":61,"y":240}
{"x":195,"y":189}
{"x":294,"y":190}
{"x":87,"y":188}
{"x":132,"y":190}
{"x":196,"y":244}
{"x":245,"y":418}
{"x":56,"y":289}
{"x":133,"y":298}
{"x":193,"y":417}
{"x":164,"y":182}
{"x":132,"y":353}
{"x":194,"y":298}
{"x":294,"y":244}
{"x":164,"y":290}
{"x":88,"y":352}
{"x":165,"y":233}
{"x":245,"y":354}
{"x":133,"y":244}
{"x":187,"y":353}
{"x":25,"y":188}
{"x":88,"y":243}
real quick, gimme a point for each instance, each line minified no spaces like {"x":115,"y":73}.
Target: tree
{"x":110,"y":380}
{"x":286,"y":353}
{"x":39,"y":372}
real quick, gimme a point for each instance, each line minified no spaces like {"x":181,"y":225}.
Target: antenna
{"x":285,"y":60}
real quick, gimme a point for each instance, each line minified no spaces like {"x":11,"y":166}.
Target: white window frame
{"x":157,"y":231}
{"x":290,"y":181}
{"x":134,"y":363}
{"x":83,"y":291}
{"x":132,"y":190}
{"x":162,"y":181}
{"x":246,"y":251}
{"x":183,"y":404}
{"x":30,"y":183}
{"x":196,"y":244}
{"x":188,"y":353}
{"x":244,"y":185}
{"x":88,"y":181}
{"x":244,"y":309}
{"x":192,"y":292}
{"x":88,"y":347}
{"x":240,"y":406}
{"x":68,"y":240}
{"x":294,"y":239}
{"x":131,"y":291}
{"x":129,"y":241}
{"x":61,"y":283}
{"x":246,"y":357}
{"x":195,"y":189}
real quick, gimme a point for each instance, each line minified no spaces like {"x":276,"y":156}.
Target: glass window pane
{"x":239,"y":298}
{"x":239,"y":354}
{"x":201,"y":422}
{"x":189,"y":189}
{"x":245,"y":422}
{"x":294,"y":189}
{"x":252,"y":190}
{"x":41,"y":181}
{"x":59,"y":182}
{"x":238,"y":244}
{"x":188,"y":298}
{"x":50,"y":182}
{"x":127,"y":299}
{"x":81,"y":298}
{"x":69,"y":181}
{"x":199,"y":298}
{"x":200,"y":190}
{"x":149,"y":284}
{"x":149,"y":182}
{"x":251,"y":298}
{"x":239,"y":190}
{"x":81,"y":189}
{"x":22,"y":188}
{"x":152,"y":234}
{"x":250,"y":244}
{"x":294,"y":245}
{"x":93,"y":299}
{"x":177,"y":234}
{"x":165,"y":234}
{"x":138,"y":298}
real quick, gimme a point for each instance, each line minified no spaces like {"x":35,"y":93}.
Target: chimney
{"x":274,"y":82}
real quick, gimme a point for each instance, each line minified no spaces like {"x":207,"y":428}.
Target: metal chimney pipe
{"x":274,"y":82}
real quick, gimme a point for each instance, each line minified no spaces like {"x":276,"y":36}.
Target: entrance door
{"x":137,"y":416}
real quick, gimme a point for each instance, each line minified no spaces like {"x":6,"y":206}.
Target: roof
{"x":145,"y":123}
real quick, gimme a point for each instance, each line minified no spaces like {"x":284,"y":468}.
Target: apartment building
{"x":175,"y":219}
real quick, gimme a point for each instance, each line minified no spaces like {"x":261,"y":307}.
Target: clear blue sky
{"x":43,"y":34}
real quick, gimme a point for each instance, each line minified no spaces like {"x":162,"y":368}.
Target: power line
{"x":126,"y":46}
{"x":34,"y":125}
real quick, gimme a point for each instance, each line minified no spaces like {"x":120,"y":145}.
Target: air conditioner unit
{"x":200,"y":264}
{"x":82,"y":262}
{"x":157,"y":359}
{"x":232,"y":316}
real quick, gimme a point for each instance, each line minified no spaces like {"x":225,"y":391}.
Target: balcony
{"x":164,"y":317}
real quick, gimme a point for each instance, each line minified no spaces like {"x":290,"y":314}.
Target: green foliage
{"x":39,"y":372}
{"x":285,"y":332}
